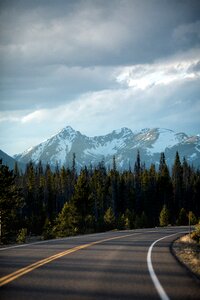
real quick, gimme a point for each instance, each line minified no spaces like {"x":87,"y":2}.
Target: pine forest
{"x":63,"y":202}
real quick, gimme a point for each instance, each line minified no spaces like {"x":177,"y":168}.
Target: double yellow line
{"x":10,"y":277}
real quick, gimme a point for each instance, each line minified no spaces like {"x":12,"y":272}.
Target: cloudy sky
{"x":97,"y":66}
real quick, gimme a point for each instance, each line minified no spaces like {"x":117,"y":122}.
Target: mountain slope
{"x":122,"y":143}
{"x":9,"y":161}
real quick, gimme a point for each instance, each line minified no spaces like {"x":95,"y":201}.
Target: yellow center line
{"x":10,"y":277}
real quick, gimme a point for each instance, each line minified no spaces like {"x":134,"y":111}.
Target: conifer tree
{"x":137,"y":167}
{"x":67,"y":221}
{"x":34,"y":210}
{"x":192,"y":218}
{"x":162,"y":164}
{"x":145,"y":185}
{"x":177,"y":181}
{"x":153,"y":207}
{"x":63,"y":179}
{"x":137,"y":173}
{"x":99,"y":194}
{"x":49,"y":194}
{"x":121,"y":221}
{"x":137,"y":222}
{"x":16,"y":172}
{"x":109,"y":219}
{"x":164,"y":216}
{"x":182,"y":217}
{"x":194,"y":203}
{"x":10,"y":201}
{"x":164,"y":185}
{"x":129,"y":219}
{"x":114,"y":188}
{"x":29,"y":209}
{"x":114,"y":167}
{"x":144,"y":220}
{"x":81,"y":199}
{"x":74,"y":171}
{"x":187,"y":184}
{"x":47,"y":232}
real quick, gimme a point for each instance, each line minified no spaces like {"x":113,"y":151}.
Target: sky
{"x":97,"y":66}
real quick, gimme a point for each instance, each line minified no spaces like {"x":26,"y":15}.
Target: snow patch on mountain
{"x":193,"y":155}
{"x":64,"y":146}
{"x":109,"y":148}
{"x":166,"y":139}
{"x":197,"y":148}
{"x":37,"y":153}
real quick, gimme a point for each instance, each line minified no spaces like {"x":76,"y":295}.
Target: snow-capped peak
{"x":122,"y":131}
{"x":123,"y":143}
{"x":67,"y":130}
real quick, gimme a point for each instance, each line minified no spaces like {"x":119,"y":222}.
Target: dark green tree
{"x":49,"y":194}
{"x":164,"y":216}
{"x":177,"y":181}
{"x":153,"y":207}
{"x":11,"y":200}
{"x":47,"y":232}
{"x":67,"y":221}
{"x":81,"y":199}
{"x":192,"y":218}
{"x":182,"y":217}
{"x":109,"y":219}
{"x":164,"y":186}
{"x":137,"y":181}
{"x":99,"y":194}
{"x":114,"y":188}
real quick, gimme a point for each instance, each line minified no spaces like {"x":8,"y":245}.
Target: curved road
{"x":134,"y":264}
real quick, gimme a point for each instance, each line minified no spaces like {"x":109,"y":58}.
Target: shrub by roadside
{"x":196,"y":234}
{"x":22,"y":236}
{"x":187,"y":249}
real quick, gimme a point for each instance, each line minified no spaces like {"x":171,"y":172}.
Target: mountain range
{"x":123,"y":144}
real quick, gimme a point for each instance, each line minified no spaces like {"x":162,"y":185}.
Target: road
{"x":134,"y":264}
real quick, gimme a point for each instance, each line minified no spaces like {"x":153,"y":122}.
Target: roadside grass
{"x":188,"y":252}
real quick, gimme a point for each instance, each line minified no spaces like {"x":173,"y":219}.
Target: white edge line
{"x":154,"y":278}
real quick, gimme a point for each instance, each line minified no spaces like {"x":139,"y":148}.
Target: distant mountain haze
{"x":9,"y":161}
{"x":123,"y":144}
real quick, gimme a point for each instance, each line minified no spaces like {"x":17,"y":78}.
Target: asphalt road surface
{"x":134,"y":264}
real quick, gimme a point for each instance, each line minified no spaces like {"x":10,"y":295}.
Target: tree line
{"x":63,"y":202}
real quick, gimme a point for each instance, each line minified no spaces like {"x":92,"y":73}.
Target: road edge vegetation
{"x":186,"y":250}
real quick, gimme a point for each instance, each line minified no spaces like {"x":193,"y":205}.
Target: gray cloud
{"x":52,"y":85}
{"x":59,"y":53}
{"x":106,"y":32}
{"x":38,"y":37}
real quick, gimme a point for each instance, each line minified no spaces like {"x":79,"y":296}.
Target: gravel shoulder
{"x":188,"y":253}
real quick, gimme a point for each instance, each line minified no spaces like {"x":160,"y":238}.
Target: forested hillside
{"x":63,"y":202}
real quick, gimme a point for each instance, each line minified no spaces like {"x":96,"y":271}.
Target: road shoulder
{"x":187,"y":253}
